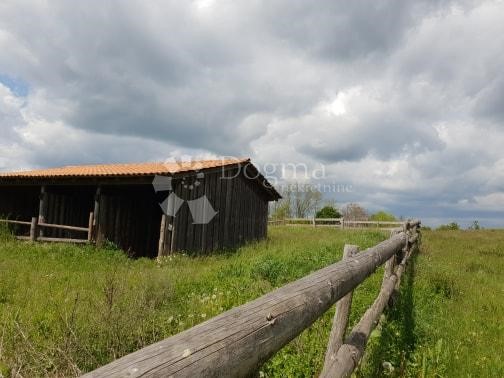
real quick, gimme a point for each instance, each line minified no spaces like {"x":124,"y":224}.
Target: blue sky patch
{"x":17,"y":86}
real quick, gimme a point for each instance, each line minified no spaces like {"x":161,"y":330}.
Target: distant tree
{"x":298,"y":200}
{"x":383,"y":216}
{"x":281,"y":210}
{"x":305,"y":199}
{"x":328,"y":212}
{"x":475,"y":226}
{"x":449,"y":227}
{"x":355,"y":212}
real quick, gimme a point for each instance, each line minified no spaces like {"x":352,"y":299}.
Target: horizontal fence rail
{"x":336,"y":222}
{"x":36,"y":226}
{"x":15,"y":222}
{"x":237,"y":342}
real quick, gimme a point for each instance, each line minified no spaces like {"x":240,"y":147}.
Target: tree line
{"x":304,"y":200}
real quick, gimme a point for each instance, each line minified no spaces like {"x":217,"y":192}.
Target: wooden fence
{"x":37,"y":234}
{"x":237,"y":342}
{"x":335,"y":222}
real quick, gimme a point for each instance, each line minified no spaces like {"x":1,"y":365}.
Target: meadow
{"x":66,"y":309}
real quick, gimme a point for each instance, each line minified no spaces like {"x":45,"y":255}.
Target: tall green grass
{"x":68,"y":309}
{"x":449,"y":319}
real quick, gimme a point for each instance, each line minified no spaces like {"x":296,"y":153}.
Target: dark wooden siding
{"x":20,"y":203}
{"x":130,"y":217}
{"x":242,"y":212}
{"x":130,"y":214}
{"x":68,"y":205}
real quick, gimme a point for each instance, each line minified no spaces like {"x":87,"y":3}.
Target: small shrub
{"x":453,"y":226}
{"x":383,"y":216}
{"x":328,"y":212}
{"x":475,"y":226}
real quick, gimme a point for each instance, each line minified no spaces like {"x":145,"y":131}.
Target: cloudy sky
{"x":400,"y":101}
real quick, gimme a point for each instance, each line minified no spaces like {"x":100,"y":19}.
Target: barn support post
{"x":90,"y":227}
{"x":96,"y":209}
{"x":172,"y":235}
{"x":42,"y":208}
{"x":100,"y":228}
{"x":162,"y":232}
{"x":171,"y":226}
{"x":96,"y":213}
{"x":33,"y":229}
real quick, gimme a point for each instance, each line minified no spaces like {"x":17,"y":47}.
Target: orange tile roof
{"x":122,"y":170}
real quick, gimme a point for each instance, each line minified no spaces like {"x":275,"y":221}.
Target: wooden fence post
{"x":33,"y":229}
{"x":42,"y":208}
{"x":172,"y":236}
{"x":90,"y":227}
{"x":96,"y":212}
{"x":350,"y":353}
{"x":340,"y":320}
{"x":313,"y":221}
{"x":392,"y":262}
{"x":162,"y":232}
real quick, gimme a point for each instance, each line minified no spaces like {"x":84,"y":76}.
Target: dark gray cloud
{"x":344,"y":30}
{"x":174,"y":72}
{"x":490,"y":102}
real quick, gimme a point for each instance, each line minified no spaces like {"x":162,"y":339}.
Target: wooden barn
{"x":147,"y":209}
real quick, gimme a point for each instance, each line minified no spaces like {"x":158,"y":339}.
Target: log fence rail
{"x":237,"y":342}
{"x":36,"y":228}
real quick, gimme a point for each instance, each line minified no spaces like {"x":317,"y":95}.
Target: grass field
{"x":67,"y":309}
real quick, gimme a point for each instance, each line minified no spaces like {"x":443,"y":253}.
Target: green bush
{"x":328,"y":212}
{"x":383,"y":216}
{"x":475,"y":225}
{"x":453,"y":226}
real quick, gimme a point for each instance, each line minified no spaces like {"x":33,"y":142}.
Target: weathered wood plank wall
{"x":130,"y":218}
{"x":19,"y":202}
{"x":242,"y":213}
{"x":130,"y":215}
